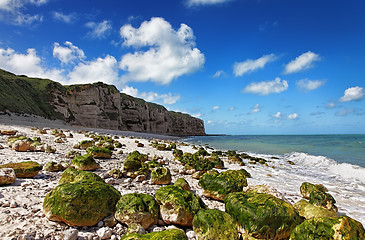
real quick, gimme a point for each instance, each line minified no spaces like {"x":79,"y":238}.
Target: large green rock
{"x":137,"y":208}
{"x":318,"y":196}
{"x":26,"y":169}
{"x":82,"y":203}
{"x":214,"y":224}
{"x":182,"y":183}
{"x":134,"y":164}
{"x":161,"y":175}
{"x":85,"y":162}
{"x":99,"y":152}
{"x":178,"y":206}
{"x":262,"y":215}
{"x":342,"y":227}
{"x":219,"y":185}
{"x":307,"y":188}
{"x":170,"y":234}
{"x":196,"y":161}
{"x":53,"y":167}
{"x":84,"y":144}
{"x":307,"y":210}
{"x":71,"y":175}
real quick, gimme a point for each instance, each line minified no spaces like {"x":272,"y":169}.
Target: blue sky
{"x":243,"y":66}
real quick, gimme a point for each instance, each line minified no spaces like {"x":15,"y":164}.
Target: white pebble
{"x":70,"y":234}
{"x":104,"y":233}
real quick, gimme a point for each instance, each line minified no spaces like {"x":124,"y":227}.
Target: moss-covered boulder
{"x":178,"y":206}
{"x":99,"y":152}
{"x":307,"y":188}
{"x":26,"y":169}
{"x":262,"y":215}
{"x":72,"y":154}
{"x":196,"y":161}
{"x":85,"y":162}
{"x":82,"y":203}
{"x":318,"y":196}
{"x":170,"y":234}
{"x":219,"y":185}
{"x":84,"y":144}
{"x":116,"y":173}
{"x":161,"y":175}
{"x":7,"y":176}
{"x":182,"y":183}
{"x":308,"y":211}
{"x":214,"y":224}
{"x":53,"y":167}
{"x":71,"y":175}
{"x":137,"y":208}
{"x":263,"y":188}
{"x":218,"y":163}
{"x":342,"y":227}
{"x":134,"y":164}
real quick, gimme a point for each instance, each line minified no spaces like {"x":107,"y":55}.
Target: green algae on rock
{"x":99,"y":152}
{"x":318,"y":196}
{"x":219,"y":185}
{"x":196,"y":161}
{"x":82,"y":203}
{"x":7,"y":176}
{"x":214,"y":224}
{"x":308,"y":211}
{"x":170,"y":234}
{"x":307,"y":188}
{"x":178,"y":206}
{"x":26,"y":169}
{"x":53,"y":167}
{"x":137,"y":208}
{"x":342,"y":227}
{"x":84,"y":144}
{"x":134,"y":164}
{"x":161,"y":175}
{"x":262,"y":215}
{"x":182,"y":183}
{"x":85,"y":162}
{"x":71,"y":175}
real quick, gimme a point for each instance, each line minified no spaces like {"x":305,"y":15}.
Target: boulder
{"x":82,"y":203}
{"x":195,"y":161}
{"x":137,"y":208}
{"x":7,"y":176}
{"x":85,"y":162}
{"x":134,"y":164}
{"x":218,"y":163}
{"x":178,"y":206}
{"x":307,"y":188}
{"x":265,"y":189}
{"x":26,"y":169}
{"x":161,"y":175}
{"x":214,"y":224}
{"x":8,"y":132}
{"x":71,"y":175}
{"x":342,"y":227}
{"x":84,"y":144}
{"x":219,"y":185}
{"x":182,"y":183}
{"x":115,"y":173}
{"x":170,"y":234}
{"x":262,"y":215}
{"x":72,"y":154}
{"x":318,"y":196}
{"x":99,"y":152}
{"x":53,"y":167}
{"x":308,"y":211}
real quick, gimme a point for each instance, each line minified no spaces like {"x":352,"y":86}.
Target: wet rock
{"x":308,"y":211}
{"x":99,"y":152}
{"x":7,"y":176}
{"x":182,"y":183}
{"x":71,"y":175}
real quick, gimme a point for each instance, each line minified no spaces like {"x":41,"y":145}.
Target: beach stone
{"x":198,"y":174}
{"x":342,"y":227}
{"x":214,"y":224}
{"x":110,"y":221}
{"x":70,"y":234}
{"x":22,"y":145}
{"x":85,"y":144}
{"x":72,"y":154}
{"x":307,"y":188}
{"x":99,"y":152}
{"x":53,"y":167}
{"x":7,"y":176}
{"x":195,"y":161}
{"x":26,"y":169}
{"x":318,"y":196}
{"x":178,"y":206}
{"x":182,"y":183}
{"x":161,"y":175}
{"x":218,"y":163}
{"x":8,"y":132}
{"x":115,"y":173}
{"x":262,"y":215}
{"x":141,"y":178}
{"x":135,"y":228}
{"x":137,"y":208}
{"x":82,"y":203}
{"x":71,"y":175}
{"x":175,"y":234}
{"x":13,"y":204}
{"x":134,"y":165}
{"x":265,"y":189}
{"x":308,"y":211}
{"x":85,"y":162}
{"x":104,"y":233}
{"x":1,"y":146}
{"x":219,"y":185}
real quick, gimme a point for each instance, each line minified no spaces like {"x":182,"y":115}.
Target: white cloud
{"x":301,"y":63}
{"x":67,"y":18}
{"x":277,"y":115}
{"x":12,"y":11}
{"x":218,"y":74}
{"x":67,"y":54}
{"x":171,"y":53}
{"x":255,"y":109}
{"x":99,"y":30}
{"x":250,"y":65}
{"x":152,"y":96}
{"x":198,"y":115}
{"x":209,"y":121}
{"x":309,"y":85}
{"x":344,"y":112}
{"x":216,"y":108}
{"x":330,"y":105}
{"x":231,"y":108}
{"x":29,"y":64}
{"x":265,"y":88}
{"x":100,"y":70}
{"x":293,"y":116}
{"x":353,"y":94}
{"x":191,"y":3}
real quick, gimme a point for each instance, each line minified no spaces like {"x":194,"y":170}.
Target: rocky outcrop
{"x":96,"y":105}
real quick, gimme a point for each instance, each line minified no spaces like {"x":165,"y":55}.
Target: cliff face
{"x":95,"y":105}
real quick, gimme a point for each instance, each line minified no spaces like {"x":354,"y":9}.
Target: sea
{"x":336,"y":161}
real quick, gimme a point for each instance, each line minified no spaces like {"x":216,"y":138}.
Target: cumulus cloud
{"x":170,"y":53}
{"x":12,"y":11}
{"x":99,"y":70}
{"x":218,"y":74}
{"x":216,"y":108}
{"x":152,"y":96}
{"x":277,"y":115}
{"x":99,"y":30}
{"x":353,"y":94}
{"x":191,"y":3}
{"x":255,"y":109}
{"x":68,"y":53}
{"x":293,"y":116}
{"x":67,"y":18}
{"x":29,"y":64}
{"x":250,"y":65}
{"x":267,"y":87}
{"x":301,"y":63}
{"x":309,"y":85}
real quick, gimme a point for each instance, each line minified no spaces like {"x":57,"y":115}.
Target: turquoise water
{"x":341,"y":148}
